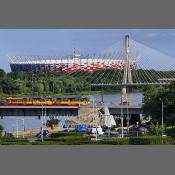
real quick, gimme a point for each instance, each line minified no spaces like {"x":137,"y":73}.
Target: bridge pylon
{"x":127,"y":77}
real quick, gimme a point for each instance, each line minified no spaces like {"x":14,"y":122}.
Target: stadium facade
{"x":70,"y":65}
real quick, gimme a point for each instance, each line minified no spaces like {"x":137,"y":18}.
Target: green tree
{"x":1,"y":130}
{"x":155,"y":129}
{"x":2,"y":74}
{"x":52,"y":121}
{"x":12,"y":86}
{"x":38,"y":88}
{"x":153,"y":105}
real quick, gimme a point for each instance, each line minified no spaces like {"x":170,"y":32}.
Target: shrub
{"x":62,"y":134}
{"x":83,"y":140}
{"x":1,"y":129}
{"x":69,"y":139}
{"x":170,"y":132}
{"x":15,"y":143}
{"x":10,"y":140}
{"x":151,"y":140}
{"x":117,"y":141}
{"x":155,"y":129}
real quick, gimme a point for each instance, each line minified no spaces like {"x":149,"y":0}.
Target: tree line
{"x":41,"y":83}
{"x":48,"y":83}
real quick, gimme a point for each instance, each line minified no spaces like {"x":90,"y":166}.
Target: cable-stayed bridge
{"x":131,"y":64}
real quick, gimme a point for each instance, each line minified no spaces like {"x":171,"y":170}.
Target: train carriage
{"x":48,"y":101}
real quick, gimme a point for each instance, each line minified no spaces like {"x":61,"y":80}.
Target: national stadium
{"x":70,"y":65}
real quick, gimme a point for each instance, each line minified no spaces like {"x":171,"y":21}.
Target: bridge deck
{"x":131,"y":84}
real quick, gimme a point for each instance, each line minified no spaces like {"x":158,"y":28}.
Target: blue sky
{"x":60,"y":42}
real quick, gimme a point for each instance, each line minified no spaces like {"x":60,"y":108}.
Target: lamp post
{"x":16,"y":128}
{"x":42,"y":139}
{"x":95,"y":117}
{"x":96,"y":123}
{"x":23,"y":128}
{"x":128,"y":117}
{"x":162,"y":115}
{"x":137,"y":128}
{"x":45,"y":116}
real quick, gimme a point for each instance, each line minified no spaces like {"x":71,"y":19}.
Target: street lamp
{"x":95,"y":117}
{"x":42,"y":139}
{"x":128,"y":117}
{"x":45,"y":116}
{"x":17,"y":127}
{"x":121,"y":117}
{"x":137,"y":128}
{"x":162,"y":115}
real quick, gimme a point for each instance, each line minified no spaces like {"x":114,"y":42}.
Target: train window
{"x":72,"y":99}
{"x":65,"y":99}
{"x":58,"y":99}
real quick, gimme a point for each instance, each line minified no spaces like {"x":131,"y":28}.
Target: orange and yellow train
{"x":61,"y":101}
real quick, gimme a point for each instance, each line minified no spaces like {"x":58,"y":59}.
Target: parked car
{"x":142,"y":130}
{"x":99,"y":131}
{"x":111,"y":132}
{"x":124,"y":131}
{"x":81,"y":128}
